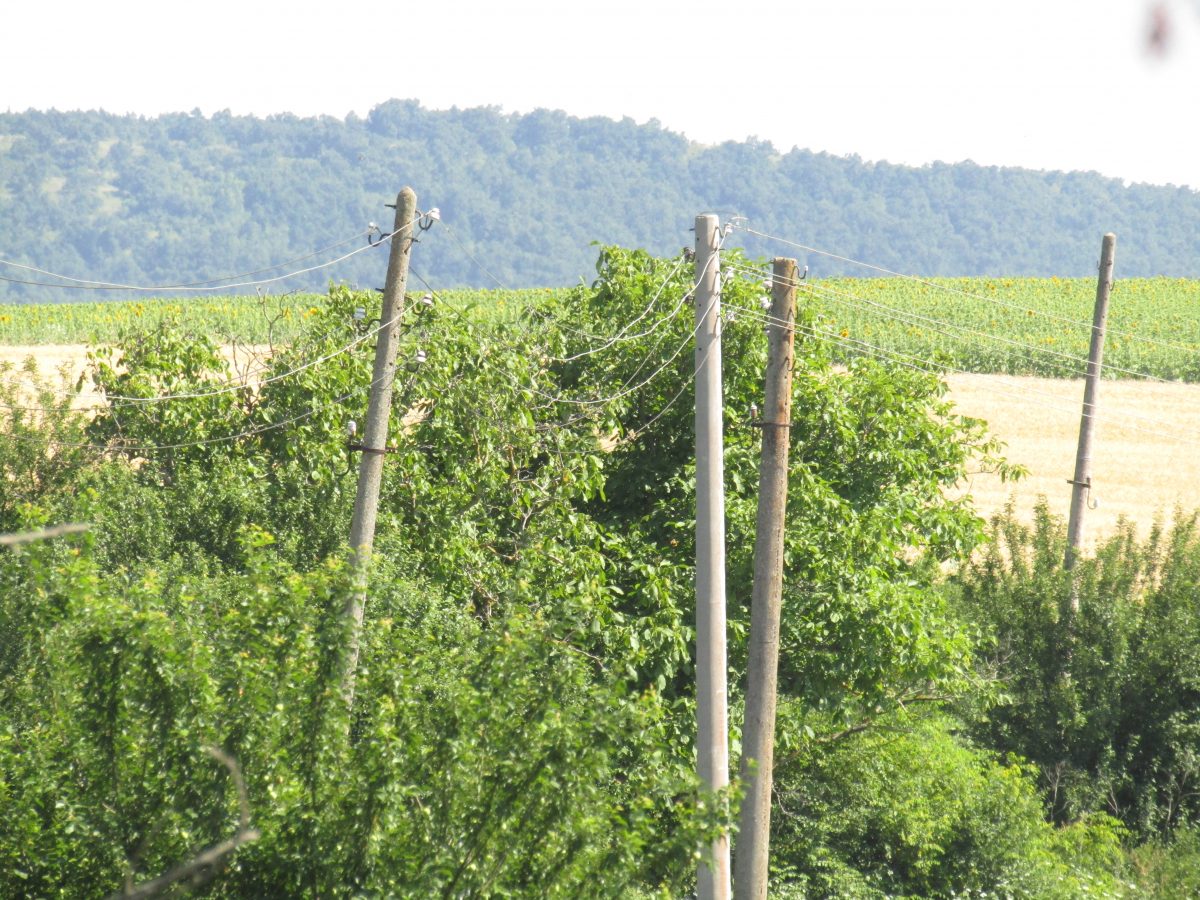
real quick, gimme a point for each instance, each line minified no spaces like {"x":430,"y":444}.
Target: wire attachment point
{"x":362,"y":448}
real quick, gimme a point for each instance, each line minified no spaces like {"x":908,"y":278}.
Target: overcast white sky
{"x":1052,"y":84}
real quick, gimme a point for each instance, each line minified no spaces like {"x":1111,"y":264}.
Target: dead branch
{"x":27,"y":537}
{"x":208,"y":857}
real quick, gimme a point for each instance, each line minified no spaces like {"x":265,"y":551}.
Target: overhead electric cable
{"x":108,"y":285}
{"x":229,"y":388}
{"x":907,"y":317}
{"x":465,"y":249}
{"x":627,"y":387}
{"x":223,"y":287}
{"x":115,"y":446}
{"x":623,"y":335}
{"x":934,"y":367}
{"x":1129,"y":335}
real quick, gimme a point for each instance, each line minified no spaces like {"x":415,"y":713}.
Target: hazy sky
{"x":1063,"y":84}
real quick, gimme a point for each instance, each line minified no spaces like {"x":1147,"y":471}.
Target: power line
{"x":627,"y":388}
{"x":249,"y":432}
{"x":908,"y":360}
{"x":645,"y":426}
{"x":623,"y":335}
{"x":232,"y":386}
{"x":953,"y":290}
{"x":933,"y":367}
{"x":88,"y":284}
{"x":224,"y":287}
{"x":911,"y":361}
{"x":465,"y":249}
{"x":912,"y":318}
{"x":691,"y":292}
{"x":229,"y":388}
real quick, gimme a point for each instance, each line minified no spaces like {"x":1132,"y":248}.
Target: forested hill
{"x":184,"y":197}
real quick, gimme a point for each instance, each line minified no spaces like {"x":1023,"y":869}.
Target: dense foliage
{"x":523,"y":718}
{"x":187,"y":197}
{"x":1104,"y":701}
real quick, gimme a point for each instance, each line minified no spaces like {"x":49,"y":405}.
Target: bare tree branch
{"x":27,"y":537}
{"x":212,"y":855}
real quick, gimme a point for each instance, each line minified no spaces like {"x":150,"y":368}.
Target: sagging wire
{"x":910,"y":318}
{"x":934,"y":367}
{"x":931,"y":324}
{"x":114,"y":447}
{"x":423,"y":221}
{"x":627,"y":387}
{"x":228,"y":388}
{"x":87,"y":284}
{"x":246,"y":381}
{"x":996,"y":301}
{"x":147,"y":449}
{"x":623,"y":335}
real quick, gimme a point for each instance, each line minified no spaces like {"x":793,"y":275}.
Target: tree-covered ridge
{"x":183,"y":197}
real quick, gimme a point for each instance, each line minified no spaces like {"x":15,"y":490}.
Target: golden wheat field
{"x":1144,"y":460}
{"x":70,"y":360}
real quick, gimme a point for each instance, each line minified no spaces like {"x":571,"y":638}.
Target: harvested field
{"x":71,"y":359}
{"x":1144,"y":461}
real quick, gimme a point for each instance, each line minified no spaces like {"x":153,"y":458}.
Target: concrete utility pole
{"x":374,"y":439}
{"x":758,"y":732}
{"x":712,"y":741}
{"x":1082,"y":482}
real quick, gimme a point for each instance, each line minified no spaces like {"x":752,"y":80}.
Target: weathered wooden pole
{"x":1081,"y":484}
{"x":758,"y":732}
{"x":374,"y":439}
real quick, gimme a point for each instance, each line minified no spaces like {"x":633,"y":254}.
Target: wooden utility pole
{"x":712,"y":740}
{"x":374,"y":439}
{"x":1081,"y":484}
{"x":758,"y":731}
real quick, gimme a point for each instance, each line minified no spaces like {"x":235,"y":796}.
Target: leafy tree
{"x":524,"y":711}
{"x":1105,"y":702}
{"x":908,"y":809}
{"x":478,"y":762}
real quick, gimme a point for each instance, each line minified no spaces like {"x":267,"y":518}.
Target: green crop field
{"x":250,"y":319}
{"x":253,"y":319}
{"x":1027,"y":326}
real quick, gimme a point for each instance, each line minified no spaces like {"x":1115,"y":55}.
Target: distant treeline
{"x":185,"y":197}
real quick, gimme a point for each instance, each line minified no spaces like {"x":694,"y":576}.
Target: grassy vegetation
{"x":1025,"y":326}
